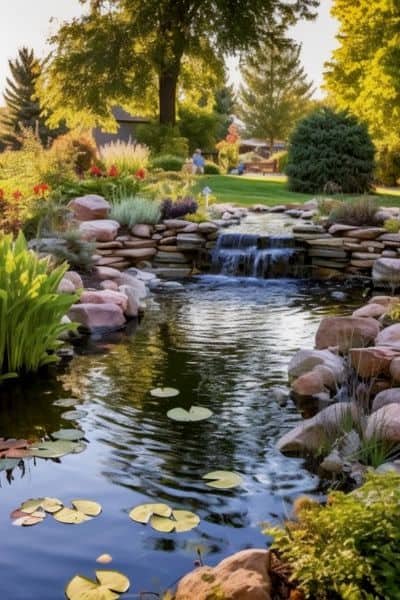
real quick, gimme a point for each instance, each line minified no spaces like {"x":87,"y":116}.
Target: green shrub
{"x":330,"y":149}
{"x":361,"y":211}
{"x":200,"y":127}
{"x":30,"y":308}
{"x":134,"y":210}
{"x":281,"y":159}
{"x":82,"y":147}
{"x":392,"y":225}
{"x":388,"y":165}
{"x":168,"y":162}
{"x":128,"y":158}
{"x":162,"y":139}
{"x":111,"y":188}
{"x":348,"y":548}
{"x":210,"y":168}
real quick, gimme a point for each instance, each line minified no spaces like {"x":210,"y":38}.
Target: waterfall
{"x":256,"y":255}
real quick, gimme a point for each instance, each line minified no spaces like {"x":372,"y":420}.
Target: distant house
{"x":261,"y":147}
{"x":126,"y":128}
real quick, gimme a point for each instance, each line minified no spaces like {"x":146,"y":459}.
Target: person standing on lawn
{"x":198,"y":162}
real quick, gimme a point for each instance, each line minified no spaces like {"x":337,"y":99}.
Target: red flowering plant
{"x":40,"y":189}
{"x":140,"y":174}
{"x":95,"y":171}
{"x":17,"y":195}
{"x":113,"y":171}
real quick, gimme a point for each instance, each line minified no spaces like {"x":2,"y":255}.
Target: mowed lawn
{"x":270,"y":191}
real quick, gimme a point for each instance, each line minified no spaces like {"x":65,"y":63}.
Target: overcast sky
{"x":27,"y":22}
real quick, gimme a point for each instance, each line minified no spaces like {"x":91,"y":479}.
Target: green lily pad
{"x":70,"y":435}
{"x":109,"y":586}
{"x":223,"y":479}
{"x":55,"y":449}
{"x":87,"y":507}
{"x":66,"y":402}
{"x":71,"y":516}
{"x":72,"y":415}
{"x":6,"y":464}
{"x":196,"y":413}
{"x":164,"y":392}
{"x":144,"y":512}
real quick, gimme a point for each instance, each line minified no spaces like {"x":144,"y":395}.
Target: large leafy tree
{"x":134,"y":52}
{"x":276,"y":91}
{"x":23,"y":109}
{"x":364,"y":72}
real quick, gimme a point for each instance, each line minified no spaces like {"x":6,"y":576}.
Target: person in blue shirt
{"x":198,"y":162}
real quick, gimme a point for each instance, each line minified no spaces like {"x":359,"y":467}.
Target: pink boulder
{"x":97,"y":316}
{"x":103,"y":230}
{"x":75,"y":279}
{"x":384,"y":424}
{"x":390,"y":336}
{"x":242,"y":576}
{"x":109,"y":284}
{"x":372,"y":362}
{"x":105,"y":297}
{"x":391,"y":396}
{"x":346,"y":332}
{"x":309,"y":384}
{"x":370,"y":310}
{"x":90,"y":207}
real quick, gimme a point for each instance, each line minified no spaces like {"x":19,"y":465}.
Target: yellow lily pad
{"x":223,"y":480}
{"x":50,"y":505}
{"x":109,"y":586}
{"x":185,"y":520}
{"x":162,"y":524}
{"x":164,"y":392}
{"x":144,"y":512}
{"x":71,"y":516}
{"x":114,"y":580}
{"x":87,"y":507}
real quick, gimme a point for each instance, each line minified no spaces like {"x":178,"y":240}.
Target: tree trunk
{"x":167,"y":83}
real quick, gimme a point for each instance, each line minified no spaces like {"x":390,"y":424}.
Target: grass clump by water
{"x":134,"y":210}
{"x":359,"y":212}
{"x":349,"y":548}
{"x":30,"y":308}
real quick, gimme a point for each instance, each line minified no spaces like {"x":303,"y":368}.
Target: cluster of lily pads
{"x":60,"y":443}
{"x":35,"y":510}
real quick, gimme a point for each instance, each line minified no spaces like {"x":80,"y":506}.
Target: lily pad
{"x":71,"y":516}
{"x":109,"y":586}
{"x":185,"y":520}
{"x":162,"y":524}
{"x":66,"y":402}
{"x":164,"y":392}
{"x":6,"y":464}
{"x":27,"y":521}
{"x":87,"y":507}
{"x":70,"y":435}
{"x":196,"y":413}
{"x":72,"y":415}
{"x":223,"y":480}
{"x":50,"y":505}
{"x":144,"y":512}
{"x":55,"y":449}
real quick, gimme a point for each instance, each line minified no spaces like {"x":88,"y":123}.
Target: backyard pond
{"x":225,"y":343}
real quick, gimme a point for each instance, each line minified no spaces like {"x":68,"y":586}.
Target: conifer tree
{"x":276,"y":91}
{"x":22,"y":108}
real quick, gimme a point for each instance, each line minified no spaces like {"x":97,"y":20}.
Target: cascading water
{"x":254,"y":255}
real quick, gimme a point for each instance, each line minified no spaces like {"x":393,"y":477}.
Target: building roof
{"x":122,"y":116}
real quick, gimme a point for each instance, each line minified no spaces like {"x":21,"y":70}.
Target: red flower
{"x":17,"y":195}
{"x":1,"y":194}
{"x":140,"y":174}
{"x":113,"y":171}
{"x":40,"y":188}
{"x":36,"y":188}
{"x":95,"y":171}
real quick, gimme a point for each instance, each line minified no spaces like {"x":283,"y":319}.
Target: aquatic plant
{"x":30,"y":308}
{"x":348,"y":548}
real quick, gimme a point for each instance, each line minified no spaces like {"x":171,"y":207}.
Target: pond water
{"x":224,"y":343}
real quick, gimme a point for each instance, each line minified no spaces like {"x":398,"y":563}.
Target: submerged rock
{"x":97,"y":316}
{"x":242,"y":576}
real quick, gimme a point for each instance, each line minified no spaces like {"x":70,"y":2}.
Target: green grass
{"x":270,"y":191}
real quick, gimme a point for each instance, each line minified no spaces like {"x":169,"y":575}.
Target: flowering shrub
{"x":40,"y":189}
{"x":179,"y":208}
{"x":30,"y":308}
{"x":140,"y":174}
{"x":113,"y":171}
{"x":95,"y":171}
{"x":228,"y":149}
{"x":128,"y":158}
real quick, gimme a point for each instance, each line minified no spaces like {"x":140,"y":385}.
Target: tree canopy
{"x":276,"y":91}
{"x":136,"y":52}
{"x":364,"y":73}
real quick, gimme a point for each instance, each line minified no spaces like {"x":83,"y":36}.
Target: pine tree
{"x":22,"y":108}
{"x":276,"y":92}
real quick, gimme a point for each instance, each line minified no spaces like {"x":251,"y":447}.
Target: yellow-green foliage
{"x":30,"y":308}
{"x":392,"y":225}
{"x":394,"y":312}
{"x":348,"y":548}
{"x":127,"y":157}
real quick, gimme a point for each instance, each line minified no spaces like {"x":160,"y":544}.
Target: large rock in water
{"x":372,"y":362}
{"x":305,"y":360}
{"x":90,"y":207}
{"x":386,"y":271}
{"x":97,"y":316}
{"x":315,"y":433}
{"x":346,"y":333}
{"x":103,"y":230}
{"x":105,"y":297}
{"x":242,"y":576}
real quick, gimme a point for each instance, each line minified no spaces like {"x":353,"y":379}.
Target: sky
{"x":27,"y":22}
